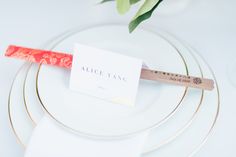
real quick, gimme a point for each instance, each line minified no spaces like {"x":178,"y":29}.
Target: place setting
{"x":99,"y":89}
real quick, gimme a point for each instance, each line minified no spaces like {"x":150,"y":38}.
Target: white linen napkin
{"x":51,"y":140}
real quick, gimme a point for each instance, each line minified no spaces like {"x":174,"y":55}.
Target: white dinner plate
{"x":90,"y":116}
{"x":201,"y":129}
{"x":162,"y":135}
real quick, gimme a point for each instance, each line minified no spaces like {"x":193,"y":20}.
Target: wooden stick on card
{"x":177,"y":79}
{"x":65,"y":60}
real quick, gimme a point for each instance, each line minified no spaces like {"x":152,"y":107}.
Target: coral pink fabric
{"x":40,"y":56}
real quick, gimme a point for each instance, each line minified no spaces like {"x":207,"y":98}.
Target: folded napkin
{"x":51,"y":140}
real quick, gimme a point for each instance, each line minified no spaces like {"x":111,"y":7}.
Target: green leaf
{"x":104,"y":1}
{"x":133,"y":1}
{"x":147,"y":6}
{"x":144,"y":13}
{"x":122,"y":6}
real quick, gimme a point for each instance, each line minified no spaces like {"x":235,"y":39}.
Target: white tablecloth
{"x":207,"y":25}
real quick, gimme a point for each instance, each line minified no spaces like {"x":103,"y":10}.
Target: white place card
{"x":104,"y":74}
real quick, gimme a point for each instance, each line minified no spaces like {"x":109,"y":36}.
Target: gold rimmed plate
{"x":203,"y":124}
{"x":187,"y":110}
{"x":93,"y":117}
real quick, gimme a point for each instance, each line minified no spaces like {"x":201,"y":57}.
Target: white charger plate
{"x":94,"y":117}
{"x":203,"y":125}
{"x":157,"y":131}
{"x":175,"y":126}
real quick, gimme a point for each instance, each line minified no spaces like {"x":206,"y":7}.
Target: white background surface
{"x":208,"y":25}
